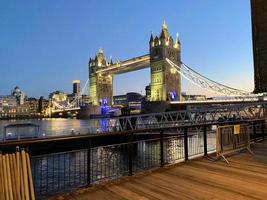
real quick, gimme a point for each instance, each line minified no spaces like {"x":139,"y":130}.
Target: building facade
{"x":19,"y":94}
{"x":259,"y":33}
{"x":131,"y":101}
{"x":76,"y":87}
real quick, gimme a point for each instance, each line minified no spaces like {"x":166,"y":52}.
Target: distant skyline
{"x":45,"y":45}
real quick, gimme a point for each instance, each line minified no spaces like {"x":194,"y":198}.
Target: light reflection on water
{"x":53,"y":126}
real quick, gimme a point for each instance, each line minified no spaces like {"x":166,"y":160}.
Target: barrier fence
{"x":231,"y":139}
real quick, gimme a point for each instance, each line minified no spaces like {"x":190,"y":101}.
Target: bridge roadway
{"x":133,"y":64}
{"x":244,"y":178}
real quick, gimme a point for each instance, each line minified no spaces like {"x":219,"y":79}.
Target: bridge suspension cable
{"x":75,"y":103}
{"x":80,"y":94}
{"x":205,"y":82}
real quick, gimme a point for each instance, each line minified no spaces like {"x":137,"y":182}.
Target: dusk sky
{"x":44,"y":45}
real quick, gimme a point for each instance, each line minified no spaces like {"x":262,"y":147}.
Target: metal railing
{"x":65,"y":171}
{"x":232,"y":112}
{"x":224,"y":113}
{"x":61,"y":172}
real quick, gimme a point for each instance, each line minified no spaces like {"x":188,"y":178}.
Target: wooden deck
{"x":244,"y":178}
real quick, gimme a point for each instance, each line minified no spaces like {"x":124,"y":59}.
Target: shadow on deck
{"x":244,"y":178}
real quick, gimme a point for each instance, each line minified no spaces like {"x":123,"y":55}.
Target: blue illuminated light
{"x":104,"y":106}
{"x":173,"y":95}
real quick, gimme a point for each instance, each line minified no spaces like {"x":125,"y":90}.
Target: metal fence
{"x":61,"y":172}
{"x":65,"y":171}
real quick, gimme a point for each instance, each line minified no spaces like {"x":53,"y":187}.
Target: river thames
{"x":52,"y":126}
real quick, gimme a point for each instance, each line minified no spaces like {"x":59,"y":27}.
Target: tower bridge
{"x":166,"y":72}
{"x":165,"y":81}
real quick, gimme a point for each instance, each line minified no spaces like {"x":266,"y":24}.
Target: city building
{"x":58,"y":96}
{"x":259,"y":33}
{"x":8,"y":104}
{"x":8,"y":101}
{"x":120,"y":100}
{"x":19,"y":94}
{"x":76,"y":87}
{"x":43,"y":106}
{"x":12,"y":107}
{"x":32,"y":105}
{"x":131,"y":101}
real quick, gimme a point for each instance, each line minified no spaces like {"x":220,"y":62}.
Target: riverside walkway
{"x":244,"y":178}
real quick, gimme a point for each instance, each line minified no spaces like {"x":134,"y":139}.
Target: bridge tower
{"x":165,"y":80}
{"x":100,"y":85}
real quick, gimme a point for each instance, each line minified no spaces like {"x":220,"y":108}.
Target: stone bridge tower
{"x":100,"y":84}
{"x":165,"y":80}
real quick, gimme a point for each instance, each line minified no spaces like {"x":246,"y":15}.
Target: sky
{"x":46,"y":44}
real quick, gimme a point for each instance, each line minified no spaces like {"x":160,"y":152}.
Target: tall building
{"x":76,"y":87}
{"x":259,"y":32}
{"x":165,"y":80}
{"x":32,"y":105}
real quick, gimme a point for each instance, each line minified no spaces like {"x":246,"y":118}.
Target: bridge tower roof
{"x":164,"y":31}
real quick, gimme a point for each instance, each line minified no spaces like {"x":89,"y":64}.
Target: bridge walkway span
{"x":244,"y":178}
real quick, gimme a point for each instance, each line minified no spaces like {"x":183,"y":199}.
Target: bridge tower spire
{"x":165,"y":81}
{"x":100,"y":85}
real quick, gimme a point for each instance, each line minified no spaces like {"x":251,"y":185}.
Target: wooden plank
{"x":5,"y":177}
{"x":12,"y":175}
{"x":2,"y":187}
{"x":9,"y":177}
{"x":25,"y":175}
{"x":31,"y":187}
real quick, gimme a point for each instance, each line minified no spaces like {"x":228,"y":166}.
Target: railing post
{"x":262,"y":129}
{"x":161,"y":149}
{"x":130,"y":154}
{"x":254,"y":132}
{"x":185,"y":144}
{"x":205,"y":140}
{"x":89,"y":163}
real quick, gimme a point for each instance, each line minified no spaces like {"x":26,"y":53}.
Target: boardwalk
{"x":244,"y":178}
